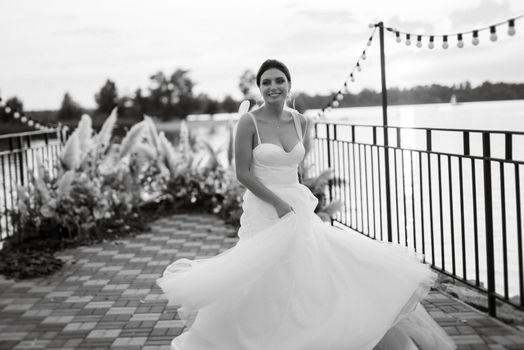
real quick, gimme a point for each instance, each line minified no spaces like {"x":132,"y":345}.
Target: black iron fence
{"x":452,"y":195}
{"x":19,"y":155}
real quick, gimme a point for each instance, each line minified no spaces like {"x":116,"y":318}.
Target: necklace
{"x":277,"y":123}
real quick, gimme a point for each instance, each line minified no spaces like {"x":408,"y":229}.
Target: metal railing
{"x":454,"y":196}
{"x":19,"y":155}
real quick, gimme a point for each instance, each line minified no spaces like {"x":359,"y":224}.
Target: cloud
{"x":88,"y":31}
{"x":327,"y":16}
{"x":483,"y":14}
{"x":411,"y":26}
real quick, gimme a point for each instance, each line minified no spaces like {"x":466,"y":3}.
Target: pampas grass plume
{"x":132,"y":138}
{"x":71,"y":153}
{"x":104,"y":136}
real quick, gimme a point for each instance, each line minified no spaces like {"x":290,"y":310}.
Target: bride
{"x":293,"y":282}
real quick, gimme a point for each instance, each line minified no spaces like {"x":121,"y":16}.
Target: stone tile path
{"x":106,"y":297}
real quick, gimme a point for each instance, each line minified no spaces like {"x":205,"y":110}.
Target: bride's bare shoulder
{"x":245,"y":124}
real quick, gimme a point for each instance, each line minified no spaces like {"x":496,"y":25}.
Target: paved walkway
{"x":106,"y":297}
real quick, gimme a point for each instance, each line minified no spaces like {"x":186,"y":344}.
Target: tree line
{"x":172,"y":96}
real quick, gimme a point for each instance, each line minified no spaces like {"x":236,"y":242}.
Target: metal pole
{"x":488,"y":206}
{"x":385,"y":128}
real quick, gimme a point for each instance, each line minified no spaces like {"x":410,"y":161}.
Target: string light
{"x":460,"y":42}
{"x":511,"y":27}
{"x":431,"y":43}
{"x":459,"y":36}
{"x":339,"y":96}
{"x":493,"y":33}
{"x":445,"y":42}
{"x":24,"y":118}
{"x":346,"y":89}
{"x":475,"y":40}
{"x":336,"y":98}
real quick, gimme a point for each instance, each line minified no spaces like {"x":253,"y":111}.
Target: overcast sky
{"x":53,"y":46}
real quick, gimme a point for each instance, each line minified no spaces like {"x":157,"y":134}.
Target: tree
{"x":207,"y":105}
{"x":173,"y":96}
{"x":247,"y":84}
{"x":229,"y":105}
{"x":15,"y":104}
{"x":107,"y":97}
{"x":69,"y":109}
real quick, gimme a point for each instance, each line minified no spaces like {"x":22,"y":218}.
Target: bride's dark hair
{"x":268,"y":64}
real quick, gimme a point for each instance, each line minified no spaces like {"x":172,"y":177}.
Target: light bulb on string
{"x":7,"y":109}
{"x":431,"y":43}
{"x":445,"y":42}
{"x":340,"y":97}
{"x":419,"y":41}
{"x":23,"y":119}
{"x":363,"y":55}
{"x":16,"y":115}
{"x":346,"y":89}
{"x":352,"y":78}
{"x":460,"y":42}
{"x":493,"y":33}
{"x":397,"y":34}
{"x":329,"y":109}
{"x":371,"y":25}
{"x":408,"y":39}
{"x":335,"y":104}
{"x":511,"y":27}
{"x":369,"y":41}
{"x":358,"y":67}
{"x":475,"y":40}
{"x":30,"y":123}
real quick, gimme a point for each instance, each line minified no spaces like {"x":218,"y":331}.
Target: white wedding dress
{"x":297,"y":283}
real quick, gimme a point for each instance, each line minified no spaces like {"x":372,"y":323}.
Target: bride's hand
{"x":283,"y":208}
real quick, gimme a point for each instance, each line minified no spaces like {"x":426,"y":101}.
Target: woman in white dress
{"x":293,"y":282}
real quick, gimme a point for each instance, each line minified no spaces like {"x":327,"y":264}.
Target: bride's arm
{"x":243,"y":155}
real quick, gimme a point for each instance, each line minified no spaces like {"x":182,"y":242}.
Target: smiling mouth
{"x":274,"y":94}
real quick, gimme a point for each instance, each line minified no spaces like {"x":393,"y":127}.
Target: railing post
{"x":488,"y":205}
{"x":21,"y":161}
{"x":328,"y":143}
{"x":385,"y":127}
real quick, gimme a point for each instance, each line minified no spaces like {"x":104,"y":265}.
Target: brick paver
{"x":106,"y":297}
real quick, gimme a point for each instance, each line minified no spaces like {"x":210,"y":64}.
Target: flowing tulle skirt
{"x":296,"y":283}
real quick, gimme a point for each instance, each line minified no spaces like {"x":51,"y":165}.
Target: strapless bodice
{"x":272,"y":165}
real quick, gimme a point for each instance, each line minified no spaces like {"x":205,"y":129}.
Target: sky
{"x":56,"y":46}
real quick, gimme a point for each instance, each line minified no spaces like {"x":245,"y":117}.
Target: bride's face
{"x":274,"y":86}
